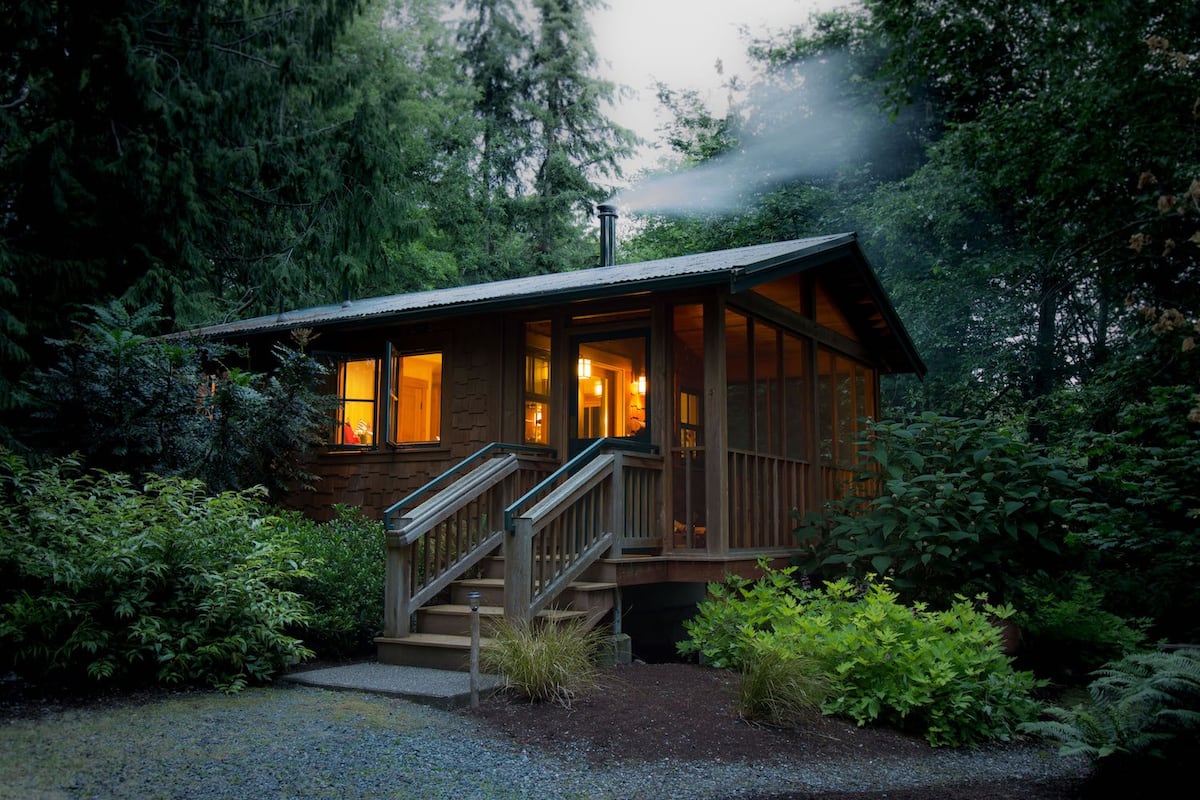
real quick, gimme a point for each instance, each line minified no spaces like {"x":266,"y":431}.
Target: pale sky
{"x":678,"y":42}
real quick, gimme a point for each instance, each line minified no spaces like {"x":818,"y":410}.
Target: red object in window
{"x":348,"y":434}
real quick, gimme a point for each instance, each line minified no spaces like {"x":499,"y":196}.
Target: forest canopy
{"x":1024,"y":177}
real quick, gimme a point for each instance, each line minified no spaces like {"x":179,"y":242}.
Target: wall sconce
{"x":641,"y":384}
{"x":598,"y":389}
{"x":585,"y":368}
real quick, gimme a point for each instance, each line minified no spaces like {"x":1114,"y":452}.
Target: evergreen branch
{"x":19,"y":100}
{"x":255,"y":198}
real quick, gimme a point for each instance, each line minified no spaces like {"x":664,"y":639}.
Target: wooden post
{"x":518,"y":571}
{"x":397,"y":591}
{"x":616,"y":509}
{"x":716,"y":461}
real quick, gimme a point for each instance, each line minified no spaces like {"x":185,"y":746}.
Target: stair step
{"x":491,"y":591}
{"x":446,"y":640}
{"x":498,"y":583}
{"x":453,"y":609}
{"x":432,"y":650}
{"x":602,"y":570}
{"x":463,"y":610}
{"x":455,"y":619}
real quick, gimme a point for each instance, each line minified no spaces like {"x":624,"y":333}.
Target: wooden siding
{"x":473,"y":355}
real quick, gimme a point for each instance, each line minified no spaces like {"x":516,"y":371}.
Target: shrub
{"x":960,"y":507}
{"x":1066,"y":631}
{"x":1144,"y":716}
{"x":1140,"y":532}
{"x":130,"y":402}
{"x":164,"y":583}
{"x":780,"y":686}
{"x":344,"y":559}
{"x":552,"y":661}
{"x":939,"y":673}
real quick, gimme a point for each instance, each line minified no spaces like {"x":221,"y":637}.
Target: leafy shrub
{"x":165,"y":583}
{"x":780,"y":686}
{"x":939,"y":673}
{"x":553,"y":661}
{"x":1139,"y":532}
{"x":129,"y":402}
{"x":960,"y":507}
{"x":1144,"y":715}
{"x":1066,"y":631}
{"x":344,"y":559}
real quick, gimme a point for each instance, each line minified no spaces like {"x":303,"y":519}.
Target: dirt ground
{"x":687,"y":712}
{"x":675,"y":710}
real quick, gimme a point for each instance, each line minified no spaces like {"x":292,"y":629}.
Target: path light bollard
{"x":473,"y":599}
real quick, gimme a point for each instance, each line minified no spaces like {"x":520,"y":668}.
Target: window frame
{"x":394,"y":357}
{"x":338,"y":362}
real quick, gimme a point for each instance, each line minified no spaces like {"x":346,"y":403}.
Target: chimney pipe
{"x":608,"y":234}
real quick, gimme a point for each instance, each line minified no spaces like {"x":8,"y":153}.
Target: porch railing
{"x":764,"y":491}
{"x":609,"y":495}
{"x":840,"y":481}
{"x":394,"y":510}
{"x":436,"y":542}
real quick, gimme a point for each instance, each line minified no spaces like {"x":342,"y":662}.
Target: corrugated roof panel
{"x":542,"y":288}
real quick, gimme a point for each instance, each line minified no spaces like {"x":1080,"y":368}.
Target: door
{"x":609,"y":388}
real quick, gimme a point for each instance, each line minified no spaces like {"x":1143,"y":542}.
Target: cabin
{"x":595,"y":444}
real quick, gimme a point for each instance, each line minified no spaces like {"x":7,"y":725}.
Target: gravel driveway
{"x":305,"y":742}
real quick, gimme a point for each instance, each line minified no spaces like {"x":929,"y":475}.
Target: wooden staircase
{"x":441,"y":637}
{"x":535,"y":542}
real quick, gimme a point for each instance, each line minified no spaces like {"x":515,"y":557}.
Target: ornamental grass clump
{"x":544,"y":662}
{"x":781,"y":687}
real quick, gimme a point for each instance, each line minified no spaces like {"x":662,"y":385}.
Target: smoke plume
{"x":809,"y":129}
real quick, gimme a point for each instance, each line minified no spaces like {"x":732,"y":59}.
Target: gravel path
{"x":304,"y":742}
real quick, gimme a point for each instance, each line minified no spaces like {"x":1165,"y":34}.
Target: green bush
{"x":1065,"y":630}
{"x":127,"y":401}
{"x":112,"y":582}
{"x":945,"y":506}
{"x":1139,"y":534}
{"x":552,"y":661}
{"x":941,"y":674}
{"x":1143,"y":716}
{"x":344,"y":559}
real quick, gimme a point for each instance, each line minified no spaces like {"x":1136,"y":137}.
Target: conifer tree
{"x":576,"y":145}
{"x":496,"y":58}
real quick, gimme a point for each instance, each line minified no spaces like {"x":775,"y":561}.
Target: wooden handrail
{"x":463,"y":520}
{"x":572,"y":466}
{"x":417,"y":523}
{"x":564,"y":533}
{"x":478,"y":455}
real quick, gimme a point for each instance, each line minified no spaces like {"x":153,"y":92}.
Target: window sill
{"x":418,"y":447}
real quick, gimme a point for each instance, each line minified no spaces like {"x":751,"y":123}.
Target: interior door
{"x":609,"y":388}
{"x":411,"y":425}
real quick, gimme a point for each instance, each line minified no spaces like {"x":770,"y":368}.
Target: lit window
{"x":537,"y":383}
{"x":357,"y":380}
{"x":689,"y":418}
{"x":416,"y":396}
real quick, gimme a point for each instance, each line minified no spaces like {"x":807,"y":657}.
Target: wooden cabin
{"x":596,"y":443}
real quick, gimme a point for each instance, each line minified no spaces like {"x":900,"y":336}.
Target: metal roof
{"x":738,"y":268}
{"x":716,"y":267}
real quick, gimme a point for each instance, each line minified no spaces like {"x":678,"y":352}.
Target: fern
{"x":1144,"y":706}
